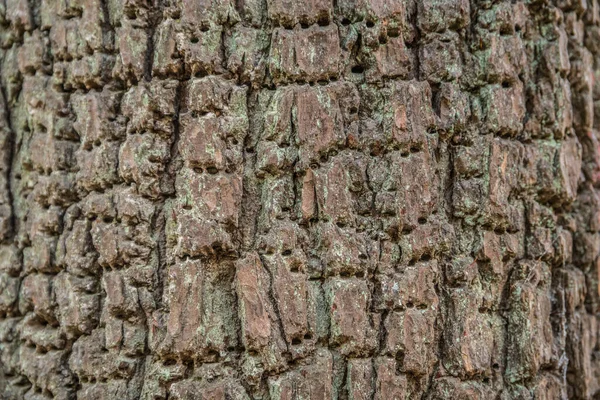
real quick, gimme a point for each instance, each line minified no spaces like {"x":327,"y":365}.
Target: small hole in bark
{"x":212,"y":170}
{"x":370,"y":24}
{"x":286,"y":253}
{"x":294,"y":268}
{"x":120,"y":315}
{"x":362,"y":256}
{"x":358,"y":69}
{"x":345,"y":21}
{"x":505,"y":30}
{"x":197,"y":170}
{"x":404,"y":154}
{"x":496,"y":366}
{"x":414,"y":149}
{"x":194,"y":40}
{"x":486,"y":380}
{"x":252,"y":353}
{"x":382,"y":40}
{"x":296,"y":342}
{"x":425,"y":257}
{"x":340,"y":224}
{"x":409,"y":304}
{"x":344,"y":274}
{"x":308,"y":336}
{"x":400,"y":358}
{"x":353,"y":110}
{"x":323,"y":21}
{"x":304,"y":25}
{"x":360,"y":274}
{"x":204,"y":28}
{"x":393,"y":32}
{"x":170,"y":362}
{"x":505,"y":84}
{"x":107,"y":220}
{"x":422,"y":221}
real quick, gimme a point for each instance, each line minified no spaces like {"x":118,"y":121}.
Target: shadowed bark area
{"x":299,"y":199}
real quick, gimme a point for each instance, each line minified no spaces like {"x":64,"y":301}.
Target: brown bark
{"x":299,"y":199}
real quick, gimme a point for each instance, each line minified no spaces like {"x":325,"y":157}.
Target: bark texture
{"x":299,"y":199}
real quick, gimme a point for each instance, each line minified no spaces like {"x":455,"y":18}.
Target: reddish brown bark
{"x":285,"y":199}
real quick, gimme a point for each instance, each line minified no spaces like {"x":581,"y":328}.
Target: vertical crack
{"x":11,"y":146}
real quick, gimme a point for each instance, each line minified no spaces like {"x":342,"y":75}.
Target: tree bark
{"x":289,"y":199}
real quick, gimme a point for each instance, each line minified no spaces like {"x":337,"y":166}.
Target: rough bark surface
{"x":289,"y":199}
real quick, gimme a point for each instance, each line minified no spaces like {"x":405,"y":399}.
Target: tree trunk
{"x":294,"y":199}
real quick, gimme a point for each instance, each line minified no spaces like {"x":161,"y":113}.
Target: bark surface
{"x":289,"y":199}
